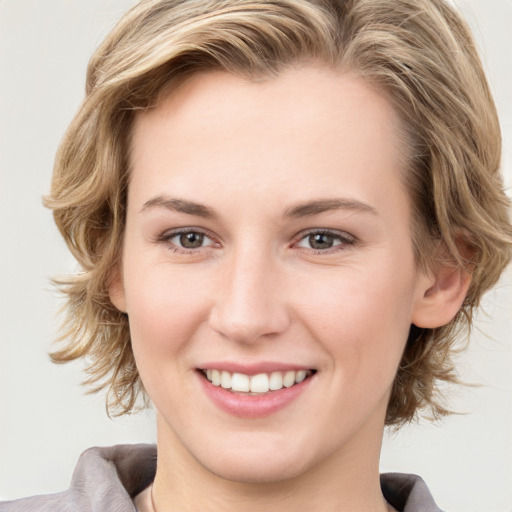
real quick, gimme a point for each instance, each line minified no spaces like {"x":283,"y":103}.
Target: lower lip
{"x":253,"y":406}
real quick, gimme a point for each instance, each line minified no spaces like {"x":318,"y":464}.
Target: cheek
{"x":165,"y":312}
{"x":164,"y":309}
{"x":362,"y":319}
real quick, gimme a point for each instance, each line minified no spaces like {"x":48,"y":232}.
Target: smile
{"x":255,"y":384}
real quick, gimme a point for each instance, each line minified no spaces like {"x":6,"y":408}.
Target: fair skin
{"x":268,"y":231}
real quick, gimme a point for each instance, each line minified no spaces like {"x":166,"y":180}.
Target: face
{"x":268,"y":271}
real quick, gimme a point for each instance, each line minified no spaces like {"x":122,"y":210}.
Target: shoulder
{"x":407,"y":493}
{"x":104,"y":479}
{"x":51,"y":502}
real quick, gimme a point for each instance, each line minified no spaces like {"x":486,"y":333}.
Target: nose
{"x":250,"y":304}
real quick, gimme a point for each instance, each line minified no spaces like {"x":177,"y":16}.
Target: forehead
{"x":307,"y":92}
{"x":305,"y":131}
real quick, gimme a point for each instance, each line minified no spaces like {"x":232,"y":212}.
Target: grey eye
{"x":319,"y":241}
{"x":190,"y":240}
{"x":322,"y":241}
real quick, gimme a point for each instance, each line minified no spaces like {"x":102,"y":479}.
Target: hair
{"x":419,"y":53}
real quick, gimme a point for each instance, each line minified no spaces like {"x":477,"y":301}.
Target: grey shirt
{"x":107,"y":479}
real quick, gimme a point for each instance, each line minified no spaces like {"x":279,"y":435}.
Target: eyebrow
{"x":181,"y":206}
{"x":301,"y":210}
{"x":323,"y":205}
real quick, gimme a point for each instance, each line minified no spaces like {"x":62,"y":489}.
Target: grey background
{"x":45,"y":418}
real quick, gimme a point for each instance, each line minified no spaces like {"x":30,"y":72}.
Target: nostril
{"x":248,"y":327}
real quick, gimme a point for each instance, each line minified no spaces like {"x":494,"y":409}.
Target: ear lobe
{"x":116,"y":290}
{"x":443,"y":295}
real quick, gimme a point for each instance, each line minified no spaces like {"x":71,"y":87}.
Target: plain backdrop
{"x":46,"y":420}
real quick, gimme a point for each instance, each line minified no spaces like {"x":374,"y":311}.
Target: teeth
{"x":215,"y":378}
{"x":225,"y":379}
{"x":261,"y":383}
{"x":276,"y":381}
{"x":289,"y":379}
{"x":240,"y":382}
{"x":301,"y":375}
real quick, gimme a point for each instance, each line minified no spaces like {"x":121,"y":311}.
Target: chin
{"x":260,"y":472}
{"x":260,"y":463}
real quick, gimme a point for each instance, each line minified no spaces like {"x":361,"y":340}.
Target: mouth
{"x":259,"y":384}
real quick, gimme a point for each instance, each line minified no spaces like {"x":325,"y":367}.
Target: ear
{"x":442,"y":293}
{"x":116,"y":289}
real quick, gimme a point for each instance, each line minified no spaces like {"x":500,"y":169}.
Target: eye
{"x":186,"y":239}
{"x":322,"y":241}
{"x":191,"y":240}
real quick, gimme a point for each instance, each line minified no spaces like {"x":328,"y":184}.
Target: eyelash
{"x":345,"y":240}
{"x":167,"y":236}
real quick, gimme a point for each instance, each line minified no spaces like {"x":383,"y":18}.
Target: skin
{"x":251,"y":153}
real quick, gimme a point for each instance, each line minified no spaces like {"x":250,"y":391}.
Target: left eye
{"x":322,"y":241}
{"x":190,"y":240}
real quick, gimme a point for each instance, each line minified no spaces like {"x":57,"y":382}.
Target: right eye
{"x":186,"y":240}
{"x":191,"y":240}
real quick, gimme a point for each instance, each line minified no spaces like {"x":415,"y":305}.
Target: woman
{"x":284,"y":213}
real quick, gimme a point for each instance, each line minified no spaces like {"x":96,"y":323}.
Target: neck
{"x":344,"y":482}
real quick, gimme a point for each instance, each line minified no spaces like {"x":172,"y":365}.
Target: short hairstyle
{"x":419,"y":53}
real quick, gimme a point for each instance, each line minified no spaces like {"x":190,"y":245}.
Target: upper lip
{"x":253,"y":368}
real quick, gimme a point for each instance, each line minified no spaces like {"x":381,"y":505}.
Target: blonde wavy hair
{"x":417,"y":52}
